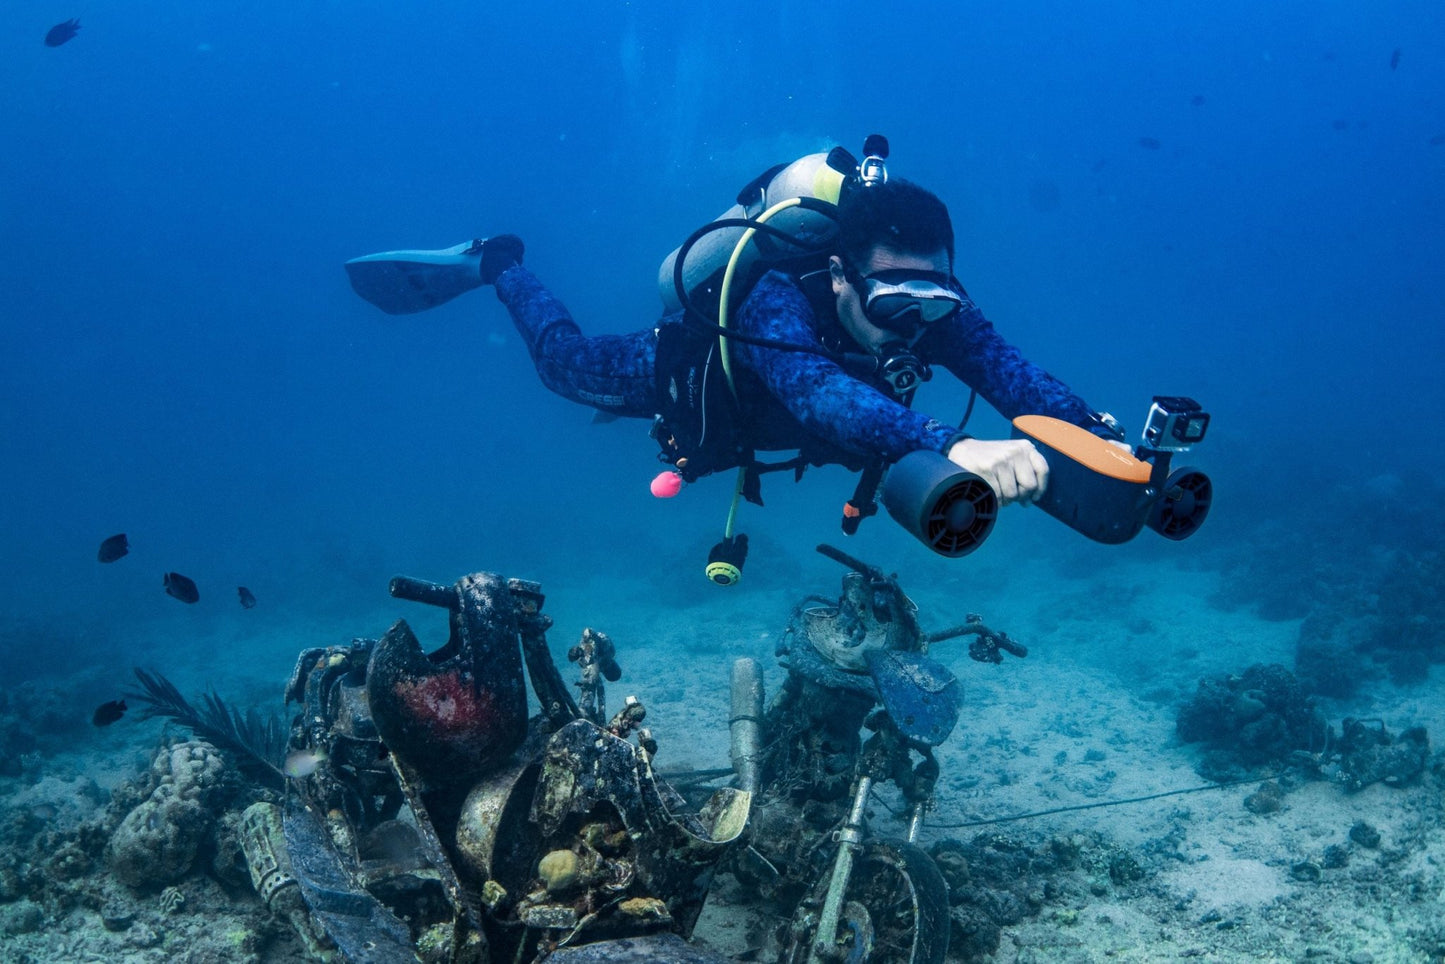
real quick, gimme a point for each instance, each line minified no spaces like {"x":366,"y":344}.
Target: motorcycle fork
{"x":850,"y":841}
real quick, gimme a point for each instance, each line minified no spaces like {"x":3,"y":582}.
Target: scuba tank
{"x":793,"y":235}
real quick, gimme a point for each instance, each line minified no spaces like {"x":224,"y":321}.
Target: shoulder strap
{"x":697,"y":425}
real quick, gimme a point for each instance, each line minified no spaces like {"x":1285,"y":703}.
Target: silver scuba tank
{"x":706,"y":255}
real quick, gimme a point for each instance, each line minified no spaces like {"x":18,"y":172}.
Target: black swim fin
{"x":405,"y":282}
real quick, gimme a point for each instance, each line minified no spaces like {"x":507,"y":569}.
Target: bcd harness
{"x":700,"y":427}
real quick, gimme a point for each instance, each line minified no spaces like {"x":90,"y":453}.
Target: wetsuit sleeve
{"x":970,"y":348}
{"x":826,"y":400}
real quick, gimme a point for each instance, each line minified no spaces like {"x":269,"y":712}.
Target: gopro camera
{"x":1175,"y":423}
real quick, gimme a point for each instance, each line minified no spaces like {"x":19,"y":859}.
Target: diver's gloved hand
{"x":499,"y":254}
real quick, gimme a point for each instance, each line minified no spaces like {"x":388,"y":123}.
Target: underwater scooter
{"x":1095,"y":487}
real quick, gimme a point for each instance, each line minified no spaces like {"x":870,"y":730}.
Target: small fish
{"x":1150,"y":143}
{"x":303,"y":763}
{"x":1197,"y":100}
{"x":113,"y":548}
{"x":108,"y":713}
{"x":62,"y":32}
{"x":179,"y":587}
{"x":1437,"y":140}
{"x":248,"y":598}
{"x":1395,"y":58}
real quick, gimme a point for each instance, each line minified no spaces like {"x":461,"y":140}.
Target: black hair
{"x":896,"y":214}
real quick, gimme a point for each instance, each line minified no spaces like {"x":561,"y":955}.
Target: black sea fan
{"x":262,"y":742}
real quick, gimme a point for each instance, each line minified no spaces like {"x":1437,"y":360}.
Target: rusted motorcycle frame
{"x":440,"y":821}
{"x":856,"y":663}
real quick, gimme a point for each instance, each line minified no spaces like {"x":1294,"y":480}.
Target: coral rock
{"x":1269,"y":798}
{"x":21,"y":917}
{"x":1365,"y":834}
{"x":157,"y":842}
{"x":559,"y":870}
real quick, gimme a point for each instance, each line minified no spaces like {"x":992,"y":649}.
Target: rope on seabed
{"x":705,"y":776}
{"x":1095,"y":806}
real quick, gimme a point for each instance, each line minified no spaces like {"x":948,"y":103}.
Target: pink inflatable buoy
{"x":667,"y":485}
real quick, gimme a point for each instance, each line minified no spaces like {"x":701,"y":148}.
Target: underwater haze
{"x":1236,"y":202}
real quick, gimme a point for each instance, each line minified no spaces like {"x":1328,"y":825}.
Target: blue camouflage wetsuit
{"x":787,"y":399}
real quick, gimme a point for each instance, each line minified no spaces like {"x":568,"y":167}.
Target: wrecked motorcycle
{"x":430,"y":818}
{"x":854,"y":664}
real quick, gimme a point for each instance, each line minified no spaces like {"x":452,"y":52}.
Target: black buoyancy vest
{"x":699,"y":425}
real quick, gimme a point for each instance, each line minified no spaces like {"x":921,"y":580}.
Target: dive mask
{"x":903,"y":301}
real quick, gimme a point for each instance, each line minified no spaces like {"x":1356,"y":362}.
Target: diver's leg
{"x":612,"y":373}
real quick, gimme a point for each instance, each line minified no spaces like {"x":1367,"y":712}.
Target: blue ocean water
{"x":1240,"y":203}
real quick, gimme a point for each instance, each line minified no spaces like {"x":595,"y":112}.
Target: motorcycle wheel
{"x":895,"y":911}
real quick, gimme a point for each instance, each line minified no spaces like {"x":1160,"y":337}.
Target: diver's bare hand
{"x":1013,"y":467}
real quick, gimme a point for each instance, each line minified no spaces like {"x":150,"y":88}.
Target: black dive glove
{"x":499,"y":254}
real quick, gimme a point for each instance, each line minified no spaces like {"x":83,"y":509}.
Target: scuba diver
{"x":838,"y":320}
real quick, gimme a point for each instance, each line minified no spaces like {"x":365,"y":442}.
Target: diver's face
{"x":850,"y":301}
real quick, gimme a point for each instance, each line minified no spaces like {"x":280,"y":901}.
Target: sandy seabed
{"x":1087,"y":718}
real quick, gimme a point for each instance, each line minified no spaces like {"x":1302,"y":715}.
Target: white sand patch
{"x":1226,"y":883}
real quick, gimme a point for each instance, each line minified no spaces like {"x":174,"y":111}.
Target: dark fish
{"x":108,"y":713}
{"x":179,"y":587}
{"x":113,"y":548}
{"x":1395,"y":58}
{"x":1197,"y":100}
{"x":62,"y":32}
{"x":1150,"y":143}
{"x":1340,"y":125}
{"x":248,"y":598}
{"x":1437,"y":140}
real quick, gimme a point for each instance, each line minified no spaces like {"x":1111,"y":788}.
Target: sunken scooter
{"x":854,"y":664}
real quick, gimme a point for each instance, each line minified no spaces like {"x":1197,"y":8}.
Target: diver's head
{"x":896,"y":214}
{"x":893,"y":274}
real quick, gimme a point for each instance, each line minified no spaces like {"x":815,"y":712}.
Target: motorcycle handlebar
{"x":422,"y":591}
